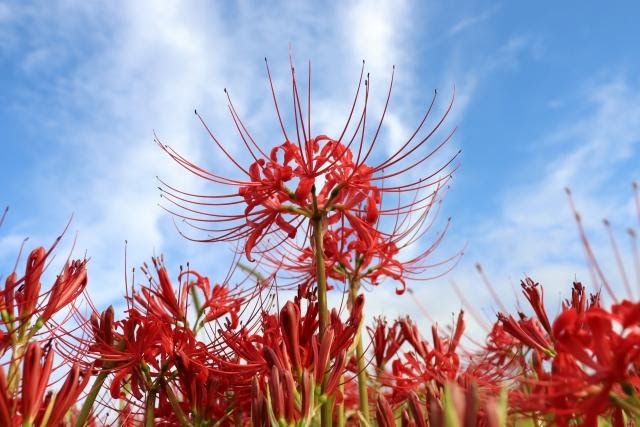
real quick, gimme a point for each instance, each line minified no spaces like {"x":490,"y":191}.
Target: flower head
{"x":308,"y":175}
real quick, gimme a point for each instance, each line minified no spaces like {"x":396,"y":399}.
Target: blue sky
{"x":547,"y":96}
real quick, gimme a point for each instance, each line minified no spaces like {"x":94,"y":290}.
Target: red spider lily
{"x":594,"y":355}
{"x":141,"y":352}
{"x":534,"y":294}
{"x":64,"y":400}
{"x":202,"y":392}
{"x":27,"y":297}
{"x":325,"y":183}
{"x":286,"y":401}
{"x":527,"y":332}
{"x":6,"y":399}
{"x":25,"y":308}
{"x":154,"y":357}
{"x":290,"y":340}
{"x":34,"y":405}
{"x":67,"y":287}
{"x":34,"y":381}
{"x":365,"y":256}
{"x":425,"y":364}
{"x":384,"y":413}
{"x":160,"y":300}
{"x":219,"y":301}
{"x":153,"y":352}
{"x":289,"y":357}
{"x":306,"y":176}
{"x":386,"y":341}
{"x":130,"y":352}
{"x":30,"y":338}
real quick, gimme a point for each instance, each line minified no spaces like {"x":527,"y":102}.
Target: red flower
{"x":386,"y":341}
{"x":35,"y":378}
{"x":359,"y":253}
{"x":67,"y":287}
{"x":66,"y":397}
{"x":287,"y":184}
{"x":592,"y":358}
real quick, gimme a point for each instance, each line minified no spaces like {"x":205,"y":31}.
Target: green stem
{"x":149,"y":411}
{"x":90,"y":399}
{"x":323,"y":311}
{"x":354,"y":286}
{"x":49,"y":410}
{"x":341,"y":421}
{"x":173,"y":400}
{"x":198,"y":306}
{"x":14,"y":368}
{"x":25,"y":333}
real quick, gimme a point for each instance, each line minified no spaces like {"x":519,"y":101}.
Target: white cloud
{"x":534,"y":232}
{"x":373,"y":31}
{"x":468,"y":78}
{"x":470,"y":21}
{"x":146,"y":66}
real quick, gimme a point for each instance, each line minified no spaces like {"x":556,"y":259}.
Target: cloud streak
{"x":146,"y":67}
{"x":534,"y":232}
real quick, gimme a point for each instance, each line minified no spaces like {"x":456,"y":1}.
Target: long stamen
{"x":275,"y":101}
{"x":226,"y":153}
{"x":593,"y":262}
{"x":616,"y":253}
{"x":382,"y":116}
{"x":238,"y":121}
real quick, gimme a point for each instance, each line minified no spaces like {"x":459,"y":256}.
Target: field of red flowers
{"x":310,"y":215}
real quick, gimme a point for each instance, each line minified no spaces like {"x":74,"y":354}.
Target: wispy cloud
{"x":469,"y":21}
{"x":534,"y":232}
{"x":146,"y":68}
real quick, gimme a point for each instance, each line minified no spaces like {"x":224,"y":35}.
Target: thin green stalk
{"x":341,"y":421}
{"x":14,"y":368}
{"x":173,"y":400}
{"x":25,"y":333}
{"x":90,"y":399}
{"x":149,"y":410}
{"x":323,"y":311}
{"x":321,"y":278}
{"x":49,"y":410}
{"x":354,"y":286}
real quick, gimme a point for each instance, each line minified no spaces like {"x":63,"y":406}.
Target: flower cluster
{"x":36,"y":389}
{"x":336,"y":190}
{"x":313,"y":212}
{"x":333,"y":180}
{"x":583,"y":365}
